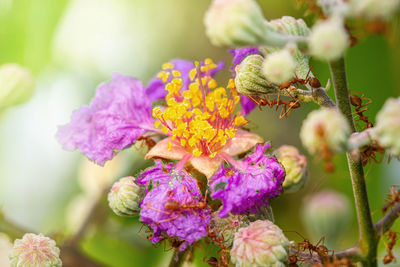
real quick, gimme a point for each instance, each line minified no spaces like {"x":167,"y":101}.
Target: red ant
{"x":287,"y":106}
{"x":357,"y":102}
{"x":321,"y":250}
{"x":223,"y":260}
{"x":368,"y":153}
{"x":389,"y":257}
{"x":147,"y":140}
{"x":394,"y":197}
{"x":312,"y":81}
{"x":326,"y":152}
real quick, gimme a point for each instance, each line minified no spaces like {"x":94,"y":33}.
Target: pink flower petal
{"x":160,"y":150}
{"x":206,"y":165}
{"x":242,"y":142}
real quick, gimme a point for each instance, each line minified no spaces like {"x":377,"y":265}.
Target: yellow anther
{"x":230,"y":132}
{"x":183,"y":142}
{"x":208,"y":61}
{"x":231,"y":84}
{"x":239,"y":120}
{"x":236,"y":99}
{"x":163,"y":76}
{"x":168,"y":65}
{"x":196,"y":152}
{"x":164,"y":129}
{"x":212,"y":155}
{"x":156,"y":112}
{"x":157,"y":124}
{"x":212,"y":84}
{"x":169,"y":146}
{"x":192,"y":74}
{"x":176,"y":73}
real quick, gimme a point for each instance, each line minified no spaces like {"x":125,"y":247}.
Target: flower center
{"x":200,"y":118}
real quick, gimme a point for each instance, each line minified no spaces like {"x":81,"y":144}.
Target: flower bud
{"x":328,"y":39}
{"x":294,"y":27}
{"x":374,"y":9}
{"x":35,"y":250}
{"x":250,"y":79}
{"x":327,"y":214}
{"x":387,"y":128}
{"x":295,"y":166}
{"x":325,"y":128}
{"x":17,"y":85}
{"x":125,"y":196}
{"x":334,"y":7}
{"x":234,"y":23}
{"x":279,"y":66}
{"x":262,"y":243}
{"x":227,"y":227}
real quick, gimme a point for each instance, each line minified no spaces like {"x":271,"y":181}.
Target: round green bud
{"x":35,"y":250}
{"x":375,"y":9}
{"x":387,"y":128}
{"x":17,"y":85}
{"x":262,"y":243}
{"x":234,"y":23}
{"x":279,"y":66}
{"x":125,"y":196}
{"x":250,"y":79}
{"x":328,"y":40}
{"x":294,"y":27}
{"x":325,"y":128}
{"x":295,"y":166}
{"x":327,"y":214}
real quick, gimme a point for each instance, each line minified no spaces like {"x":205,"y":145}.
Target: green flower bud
{"x":328,"y":39}
{"x":35,"y":250}
{"x":250,"y":79}
{"x":279,"y":66}
{"x":387,"y":128}
{"x":125,"y":196}
{"x":17,"y":85}
{"x":227,"y":227}
{"x":375,"y":9}
{"x":234,"y":23}
{"x":327,"y":214}
{"x":262,"y":243}
{"x":295,"y":27}
{"x":295,"y":166}
{"x":325,"y":128}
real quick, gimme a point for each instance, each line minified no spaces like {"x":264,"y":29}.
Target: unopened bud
{"x":328,"y":40}
{"x":324,"y":129}
{"x":250,"y":79}
{"x":387,"y":128}
{"x":35,"y":250}
{"x":375,"y":9}
{"x":125,"y":196}
{"x":327,"y":214}
{"x":17,"y":85}
{"x":294,"y":27}
{"x":279,"y":66}
{"x":262,"y":243}
{"x":295,"y":166}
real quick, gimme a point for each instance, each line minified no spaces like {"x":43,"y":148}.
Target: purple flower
{"x":159,"y":174}
{"x":164,"y":210}
{"x":155,"y":89}
{"x":248,"y":189}
{"x":118,"y":114}
{"x":240,"y":53}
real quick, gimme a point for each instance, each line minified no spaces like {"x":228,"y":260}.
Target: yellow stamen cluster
{"x":198,"y":117}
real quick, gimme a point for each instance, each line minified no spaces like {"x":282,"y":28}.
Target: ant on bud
{"x":326,"y":152}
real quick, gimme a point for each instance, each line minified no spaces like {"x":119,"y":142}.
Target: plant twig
{"x":384,"y":224}
{"x":368,"y":239}
{"x":177,"y":258}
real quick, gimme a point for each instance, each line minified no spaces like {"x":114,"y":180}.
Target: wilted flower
{"x":262,"y":243}
{"x":200,"y":122}
{"x":17,"y":85}
{"x":327,"y":214}
{"x":295,"y":166}
{"x":125,"y":196}
{"x":325,"y":128}
{"x":375,"y":9}
{"x":35,"y":250}
{"x":279,"y":66}
{"x":250,"y":79}
{"x":328,"y":40}
{"x":387,"y":128}
{"x":234,"y":23}
{"x":248,"y":186}
{"x":171,"y":207}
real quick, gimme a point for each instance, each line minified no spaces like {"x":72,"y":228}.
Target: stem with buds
{"x":368,"y":239}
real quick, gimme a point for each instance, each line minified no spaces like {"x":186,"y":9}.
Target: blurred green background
{"x":72,"y":46}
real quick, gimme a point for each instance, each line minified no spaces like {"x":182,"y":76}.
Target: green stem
{"x":368,"y":239}
{"x":178,"y":258}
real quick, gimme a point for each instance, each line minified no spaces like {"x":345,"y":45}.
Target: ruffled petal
{"x":206,"y":165}
{"x":250,"y":189}
{"x":161,"y":150}
{"x":242,"y":142}
{"x":119,"y":113}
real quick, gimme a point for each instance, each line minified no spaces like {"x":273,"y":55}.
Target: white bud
{"x":374,"y":9}
{"x":325,"y":128}
{"x":279,"y":66}
{"x":387,"y":128}
{"x":328,"y":40}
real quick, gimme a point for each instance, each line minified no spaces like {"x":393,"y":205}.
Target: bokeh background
{"x":73,"y":45}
